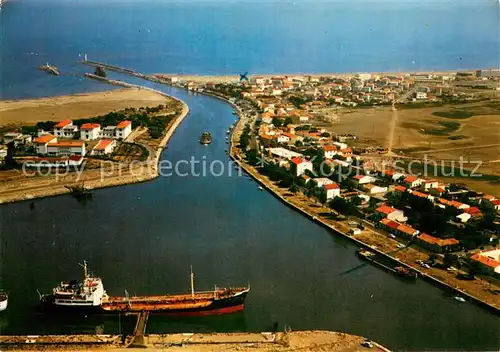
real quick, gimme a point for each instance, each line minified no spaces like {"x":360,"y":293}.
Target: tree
{"x":277,"y":122}
{"x":298,"y":143}
{"x":325,"y":134}
{"x":293,"y":188}
{"x":288,"y":120}
{"x":321,"y":194}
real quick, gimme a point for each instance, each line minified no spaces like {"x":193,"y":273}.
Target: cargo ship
{"x":396,"y":269}
{"x":217,"y":302}
{"x":4,"y":300}
{"x":83,"y":295}
{"x":206,"y":138}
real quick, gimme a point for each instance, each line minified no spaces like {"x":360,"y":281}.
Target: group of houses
{"x":66,"y":144}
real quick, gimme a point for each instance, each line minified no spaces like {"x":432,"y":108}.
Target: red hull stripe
{"x":220,"y":311}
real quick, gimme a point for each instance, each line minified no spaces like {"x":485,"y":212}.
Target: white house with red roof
{"x":301,"y":165}
{"x":363,"y":179}
{"x":123,"y":129}
{"x":90,"y":131}
{"x":489,"y":260}
{"x":65,"y":129}
{"x":391,"y":213}
{"x":412,"y":181}
{"x":104,"y":146}
{"x":329,"y":151}
{"x":321,"y":181}
{"x":332,"y":190}
{"x":42,"y":142}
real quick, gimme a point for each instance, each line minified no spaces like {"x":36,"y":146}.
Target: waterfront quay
{"x":202,"y":342}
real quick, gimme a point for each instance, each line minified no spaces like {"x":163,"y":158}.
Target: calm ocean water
{"x":144,"y":237}
{"x":211,"y":37}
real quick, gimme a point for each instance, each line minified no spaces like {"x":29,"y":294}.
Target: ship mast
{"x":192,"y":282}
{"x":84,"y":266}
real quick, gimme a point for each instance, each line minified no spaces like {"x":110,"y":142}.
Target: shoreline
{"x":148,"y":169}
{"x":203,"y":78}
{"x":310,"y":340}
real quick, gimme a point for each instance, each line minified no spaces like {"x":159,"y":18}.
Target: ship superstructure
{"x":88,"y":293}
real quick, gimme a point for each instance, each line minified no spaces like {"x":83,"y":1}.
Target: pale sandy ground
{"x":75,"y":106}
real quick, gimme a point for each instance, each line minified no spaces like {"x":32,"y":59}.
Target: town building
{"x":104,"y":147}
{"x":90,"y":131}
{"x":65,"y":129}
{"x":489,"y":261}
{"x":412,"y":181}
{"x":330,"y":151}
{"x":301,"y":165}
{"x":47,"y":144}
{"x":42,"y":142}
{"x":283,"y":153}
{"x":123,"y":129}
{"x":332,"y":190}
{"x":436,"y":244}
{"x":321,"y":181}
{"x":488,"y":73}
{"x":363,"y":179}
{"x":391,"y":213}
{"x":52,"y":162}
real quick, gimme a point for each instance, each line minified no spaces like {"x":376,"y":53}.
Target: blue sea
{"x":228,"y":37}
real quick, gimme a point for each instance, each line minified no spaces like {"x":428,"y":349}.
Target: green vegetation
{"x":245,"y":137}
{"x":448,"y":127}
{"x":454,"y":114}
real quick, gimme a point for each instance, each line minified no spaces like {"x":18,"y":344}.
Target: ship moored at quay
{"x":90,"y":295}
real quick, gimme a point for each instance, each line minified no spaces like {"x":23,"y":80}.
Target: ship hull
{"x":233,"y":304}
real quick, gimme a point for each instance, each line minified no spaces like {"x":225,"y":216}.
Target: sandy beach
{"x":17,"y":112}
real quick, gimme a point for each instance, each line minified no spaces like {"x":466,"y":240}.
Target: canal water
{"x":143,"y":238}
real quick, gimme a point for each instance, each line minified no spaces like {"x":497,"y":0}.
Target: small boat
{"x":261,"y":188}
{"x":460,"y":299}
{"x":206,"y":138}
{"x":4,"y":300}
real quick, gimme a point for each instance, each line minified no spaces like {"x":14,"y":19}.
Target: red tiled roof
{"x":45,"y":138}
{"x":103,"y":143}
{"x":456,"y":204}
{"x":492,"y":263}
{"x":410,"y":179}
{"x":297,"y":160}
{"x":89,"y":126}
{"x":330,"y":148}
{"x":346,"y":150}
{"x":495,"y":202}
{"x":390,"y":223}
{"x":123,"y":124}
{"x":76,"y":157}
{"x":358,"y":177}
{"x":389,"y":172}
{"x":420,"y":194}
{"x":438,"y":241}
{"x":472,"y":211}
{"x":400,"y":188}
{"x":331,"y":186}
{"x":407,"y":229}
{"x":385,"y":209}
{"x":67,"y":144}
{"x":489,"y":197}
{"x":63,"y":123}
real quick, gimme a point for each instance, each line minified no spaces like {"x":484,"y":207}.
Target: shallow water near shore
{"x":143,"y":238}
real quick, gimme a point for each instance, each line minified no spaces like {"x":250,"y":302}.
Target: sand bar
{"x":18,"y":112}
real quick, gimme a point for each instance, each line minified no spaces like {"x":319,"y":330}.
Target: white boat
{"x":460,"y":299}
{"x":261,"y":188}
{"x":4,"y":300}
{"x":74,"y":294}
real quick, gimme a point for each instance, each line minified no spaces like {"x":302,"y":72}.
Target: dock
{"x":140,"y":330}
{"x":199,"y":342}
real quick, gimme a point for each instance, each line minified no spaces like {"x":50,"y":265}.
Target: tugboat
{"x":4,"y":300}
{"x":84,"y":295}
{"x":206,"y":138}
